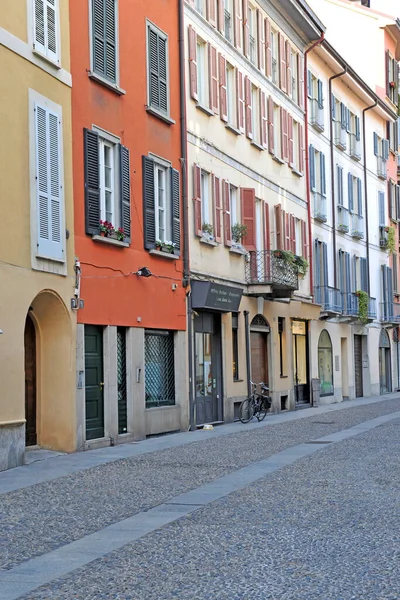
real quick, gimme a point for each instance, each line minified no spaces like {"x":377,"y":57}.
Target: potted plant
{"x":165,"y":246}
{"x":363,"y":302}
{"x":120,"y":234}
{"x":208,"y":231}
{"x":286,"y":255}
{"x":343,"y":228}
{"x":239,"y":231}
{"x":301,"y":264}
{"x":393,"y":84}
{"x":106,"y":228}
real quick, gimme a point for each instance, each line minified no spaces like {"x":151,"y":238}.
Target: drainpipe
{"x":366,"y":192}
{"x":185,"y":215}
{"x":333,"y":175}
{"x":307,"y":160}
{"x":248,"y":364}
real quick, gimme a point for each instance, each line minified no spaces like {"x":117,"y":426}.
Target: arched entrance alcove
{"x":49,"y":362}
{"x":325,"y":363}
{"x":385,"y":372}
{"x":259,"y":330}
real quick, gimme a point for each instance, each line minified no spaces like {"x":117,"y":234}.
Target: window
{"x":256,"y":121}
{"x":202,"y":74}
{"x":201,"y":7}
{"x":282,"y":345}
{"x":274,"y":54}
{"x":49,"y":185}
{"x":104,"y":39}
{"x":161,"y":199}
{"x":46,"y":29}
{"x":298,"y":242}
{"x":395,"y":273}
{"x":355,"y":136}
{"x":354,"y":188}
{"x":277,"y":143}
{"x":392,"y":136}
{"x":325,"y":363}
{"x":235,"y":346}
{"x":231,"y":95}
{"x":316,"y":98}
{"x":228,"y":15}
{"x":296,"y":146}
{"x":294,"y":75}
{"x":252,"y":24}
{"x":340,"y":118}
{"x":206,"y":208}
{"x":159,"y":368}
{"x":318,"y":183}
{"x":157,"y":70}
{"x":107,"y":182}
{"x":393,"y":191}
{"x":343,"y":219}
{"x":381,"y":151}
{"x":392,"y":78}
{"x":234,"y":206}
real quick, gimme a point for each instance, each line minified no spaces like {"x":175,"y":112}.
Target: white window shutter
{"x":40,"y":26}
{"x":48,"y":185}
{"x":46,"y":28}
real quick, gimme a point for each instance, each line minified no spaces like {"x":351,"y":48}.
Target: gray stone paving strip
{"x":46,"y":568}
{"x":47,"y":470}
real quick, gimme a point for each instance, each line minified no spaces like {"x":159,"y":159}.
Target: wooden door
{"x":259,"y":361}
{"x":30,"y":382}
{"x":94,"y":382}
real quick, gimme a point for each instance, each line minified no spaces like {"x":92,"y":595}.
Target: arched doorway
{"x":385,"y":375}
{"x":259,"y":329}
{"x":30,"y":382}
{"x":325,"y":363}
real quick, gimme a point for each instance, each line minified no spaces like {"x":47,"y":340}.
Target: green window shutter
{"x":104,"y":39}
{"x":125,"y":191}
{"x":312,"y":168}
{"x":359,"y":196}
{"x":358,"y":131}
{"x":375,"y":143}
{"x":339,"y":170}
{"x":149,"y":217}
{"x":176,"y":208}
{"x":385,"y":149}
{"x":320,"y":94}
{"x":157,"y":71}
{"x":323,"y":174}
{"x":92,"y":182}
{"x":350,"y":191}
{"x":48,"y":184}
{"x":333,"y":101}
{"x":381,"y":203}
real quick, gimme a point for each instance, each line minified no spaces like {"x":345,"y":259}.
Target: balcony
{"x":355,"y":147}
{"x":340,"y":136}
{"x":381,"y":168}
{"x":383,"y":237}
{"x":330,"y":300}
{"x":343,"y":219}
{"x":268,"y":274}
{"x":390,"y":312}
{"x":319,"y":210}
{"x":350,"y":306}
{"x":317,"y":115}
{"x":357,"y":227}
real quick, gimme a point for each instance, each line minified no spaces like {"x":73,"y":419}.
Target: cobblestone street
{"x":305,"y":505}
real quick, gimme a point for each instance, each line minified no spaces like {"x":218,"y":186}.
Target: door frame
{"x":307,"y":394}
{"x":31,"y":436}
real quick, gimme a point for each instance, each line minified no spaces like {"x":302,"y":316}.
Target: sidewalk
{"x":51,"y":465}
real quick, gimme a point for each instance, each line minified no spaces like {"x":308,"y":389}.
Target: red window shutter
{"x":288,"y":69}
{"x":282,"y":62}
{"x":238,"y":23}
{"x":271,"y":139}
{"x":293,"y":234}
{"x":268,"y":49}
{"x":221,"y":16}
{"x":300,"y":66}
{"x":249,"y":108}
{"x":193,"y":63}
{"x":246,"y":29}
{"x":213,"y":77}
{"x":226,"y":213}
{"x":301,"y":149}
{"x":248,"y":209}
{"x":286,"y":220}
{"x":222,"y":89}
{"x":290,"y":138}
{"x":217,"y":207}
{"x":284,"y":133}
{"x":304,"y":239}
{"x":278,"y":227}
{"x":211,"y":12}
{"x":240,"y":100}
{"x":197,"y":199}
{"x":261,"y":45}
{"x":264,"y":120}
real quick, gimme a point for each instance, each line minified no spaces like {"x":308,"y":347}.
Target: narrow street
{"x":305,"y":505}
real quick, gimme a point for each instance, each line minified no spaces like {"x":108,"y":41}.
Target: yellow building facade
{"x":37,"y":263}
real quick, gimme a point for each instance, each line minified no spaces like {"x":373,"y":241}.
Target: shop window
{"x":325,"y":363}
{"x":159,"y":368}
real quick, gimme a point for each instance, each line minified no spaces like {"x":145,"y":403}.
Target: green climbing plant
{"x":363,"y":302}
{"x":391,"y":240}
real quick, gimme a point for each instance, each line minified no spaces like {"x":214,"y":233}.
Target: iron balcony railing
{"x":357,"y":226}
{"x":340,"y":135}
{"x":319,"y":211}
{"x":343,"y":219}
{"x":383,"y":236}
{"x":329,"y":298}
{"x":350,"y":305}
{"x":268,"y":267}
{"x":381,"y":168}
{"x":389,"y":312}
{"x":317,"y":115}
{"x":355,"y":147}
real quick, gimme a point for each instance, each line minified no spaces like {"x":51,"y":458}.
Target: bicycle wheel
{"x":246,"y":410}
{"x":263,"y":407}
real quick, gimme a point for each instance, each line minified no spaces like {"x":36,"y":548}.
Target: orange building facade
{"x":131,"y":348}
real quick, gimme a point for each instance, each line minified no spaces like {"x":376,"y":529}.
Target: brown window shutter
{"x":217,"y":207}
{"x":267,"y":229}
{"x":223,"y":107}
{"x":271,"y":143}
{"x":213,"y":77}
{"x":261,"y":44}
{"x":288,"y":68}
{"x":248,"y":210}
{"x":197,"y":199}
{"x":246,"y":30}
{"x":226,"y":213}
{"x":278,"y":227}
{"x":284,"y":134}
{"x":293,"y":234}
{"x":264,"y":120}
{"x":211,"y":12}
{"x":300,"y":79}
{"x":286,"y":219}
{"x":193,"y":63}
{"x":282,"y":62}
{"x":290,"y":138}
{"x":301,"y":148}
{"x":221,"y":16}
{"x":238,"y":23}
{"x":304,"y":239}
{"x":240,"y":100}
{"x":249,"y":108}
{"x":268,"y":49}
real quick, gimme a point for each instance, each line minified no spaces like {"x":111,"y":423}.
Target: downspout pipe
{"x":307,"y":166}
{"x":248,"y":362}
{"x":366,"y":193}
{"x":185,"y":209}
{"x":333,"y":174}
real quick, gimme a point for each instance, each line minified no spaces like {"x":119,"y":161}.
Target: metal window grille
{"x":159,"y":369}
{"x":121,"y":376}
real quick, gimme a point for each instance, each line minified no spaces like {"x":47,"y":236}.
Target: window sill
{"x":283,"y":376}
{"x":296,"y":172}
{"x":112,"y":241}
{"x":164,"y":254}
{"x":394,"y":221}
{"x":237,"y":250}
{"x":108,"y":84}
{"x":46,"y":58}
{"x":238,"y":380}
{"x":160,"y":115}
{"x":204,"y":109}
{"x":257,"y":145}
{"x":212,"y":243}
{"x":278,"y":159}
{"x":232,"y":129}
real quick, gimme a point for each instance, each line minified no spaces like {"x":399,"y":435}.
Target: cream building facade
{"x":37,"y":344}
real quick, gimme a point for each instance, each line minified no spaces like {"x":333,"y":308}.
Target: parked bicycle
{"x":257,"y":404}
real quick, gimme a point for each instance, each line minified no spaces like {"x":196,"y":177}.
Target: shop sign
{"x":299,"y":327}
{"x":214,"y":296}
